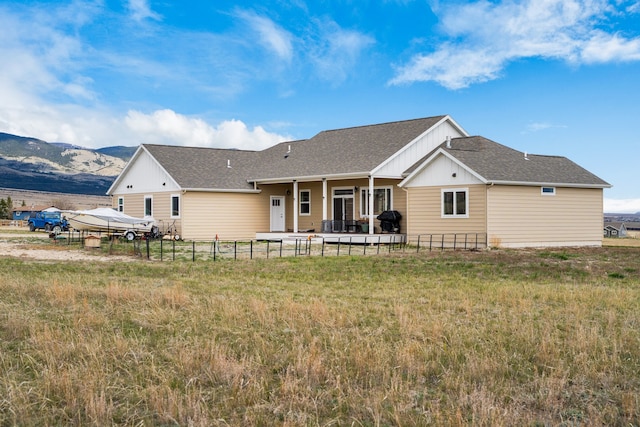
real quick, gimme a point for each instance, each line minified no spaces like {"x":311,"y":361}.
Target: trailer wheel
{"x":130,"y":235}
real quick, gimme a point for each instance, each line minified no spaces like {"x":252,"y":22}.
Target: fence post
{"x":148,"y":256}
{"x":455,"y":239}
{"x":365,"y":246}
{"x":350,"y":244}
{"x":215,"y":247}
{"x":322,"y":251}
{"x":378,"y":252}
{"x":251,"y":249}
{"x":174,"y":248}
{"x":268,"y":248}
{"x":418,"y":248}
{"x":235,"y":250}
{"x":442,"y":243}
{"x":339,"y":240}
{"x":160,"y":249}
{"x":280,"y":248}
{"x":193,"y":249}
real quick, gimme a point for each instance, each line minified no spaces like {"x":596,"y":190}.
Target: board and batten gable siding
{"x":520,"y":216}
{"x":440,"y":172}
{"x":145,"y":176}
{"x":425,"y":211}
{"x":230,"y":216}
{"x":420,"y":148}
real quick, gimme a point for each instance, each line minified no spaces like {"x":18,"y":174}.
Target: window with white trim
{"x":148,"y":205}
{"x":382,"y":200}
{"x":175,"y":206}
{"x":455,"y":203}
{"x":548,"y":191}
{"x":305,"y":202}
{"x":120,"y":204}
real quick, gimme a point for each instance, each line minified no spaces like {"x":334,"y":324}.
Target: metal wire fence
{"x":172,"y":250}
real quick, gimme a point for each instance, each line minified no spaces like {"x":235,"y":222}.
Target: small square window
{"x":548,"y":191}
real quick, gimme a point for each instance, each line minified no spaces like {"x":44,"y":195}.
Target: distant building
{"x":615,"y":229}
{"x":23,"y":213}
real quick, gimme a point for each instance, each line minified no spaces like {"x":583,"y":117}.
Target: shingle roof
{"x":206,"y":168}
{"x":498,"y":163}
{"x":341,"y":151}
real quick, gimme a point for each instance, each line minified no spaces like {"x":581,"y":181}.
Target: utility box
{"x":92,"y":241}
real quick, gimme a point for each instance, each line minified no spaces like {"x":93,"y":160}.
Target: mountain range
{"x":32,"y":164}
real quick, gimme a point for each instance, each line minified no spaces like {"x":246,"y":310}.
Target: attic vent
{"x":229,"y":164}
{"x":526,"y":157}
{"x":288,"y":152}
{"x":448,"y":141}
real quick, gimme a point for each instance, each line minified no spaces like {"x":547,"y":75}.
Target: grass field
{"x":540,"y":337}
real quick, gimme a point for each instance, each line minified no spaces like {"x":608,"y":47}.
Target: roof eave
{"x":221,"y":190}
{"x":330,"y":177}
{"x":550,"y":184}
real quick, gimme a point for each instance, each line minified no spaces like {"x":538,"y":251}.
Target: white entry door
{"x":277,"y":213}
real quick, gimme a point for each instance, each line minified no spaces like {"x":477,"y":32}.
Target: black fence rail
{"x":179,"y":250}
{"x":455,"y":241}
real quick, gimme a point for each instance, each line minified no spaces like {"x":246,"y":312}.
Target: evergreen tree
{"x":3,"y":209}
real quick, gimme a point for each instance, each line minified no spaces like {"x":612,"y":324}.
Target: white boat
{"x":106,"y":220}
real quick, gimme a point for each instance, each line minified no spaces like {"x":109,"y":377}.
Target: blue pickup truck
{"x":52,"y":222}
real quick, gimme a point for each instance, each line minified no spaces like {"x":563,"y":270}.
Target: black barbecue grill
{"x":390,"y":221}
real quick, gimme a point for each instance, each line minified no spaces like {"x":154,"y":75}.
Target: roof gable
{"x":495,"y":163}
{"x":206,"y":168}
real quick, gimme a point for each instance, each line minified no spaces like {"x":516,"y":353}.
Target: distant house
{"x":430,"y":170}
{"x":615,"y":229}
{"x":23,"y":213}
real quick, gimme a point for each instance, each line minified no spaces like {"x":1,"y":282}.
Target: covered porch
{"x":345,"y":205}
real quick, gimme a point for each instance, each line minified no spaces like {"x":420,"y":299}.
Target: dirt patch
{"x":14,"y":245}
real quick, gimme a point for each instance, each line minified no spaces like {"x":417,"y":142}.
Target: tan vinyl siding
{"x":425,"y":212}
{"x":522,"y":216}
{"x":161,"y":208}
{"x":231,"y":216}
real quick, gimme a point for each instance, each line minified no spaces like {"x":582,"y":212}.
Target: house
{"x":615,"y":229}
{"x":429,"y":170}
{"x":24,"y":212}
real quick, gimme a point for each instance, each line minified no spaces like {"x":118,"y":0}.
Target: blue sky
{"x":547,"y":77}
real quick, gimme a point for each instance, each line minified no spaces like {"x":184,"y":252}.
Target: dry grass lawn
{"x":540,"y":337}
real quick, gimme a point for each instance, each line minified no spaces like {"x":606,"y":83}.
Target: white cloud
{"x":621,"y":205}
{"x":336,"y":51}
{"x":482,"y":38}
{"x":270,"y":35}
{"x":140,"y":10}
{"x":169,"y":127}
{"x":540,"y":126}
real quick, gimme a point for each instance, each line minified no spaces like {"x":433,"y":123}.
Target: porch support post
{"x":370,"y":201}
{"x":295,"y":206}
{"x":324,"y":199}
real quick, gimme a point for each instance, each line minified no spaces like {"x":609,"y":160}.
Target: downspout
{"x":486,"y":212}
{"x":295,"y":206}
